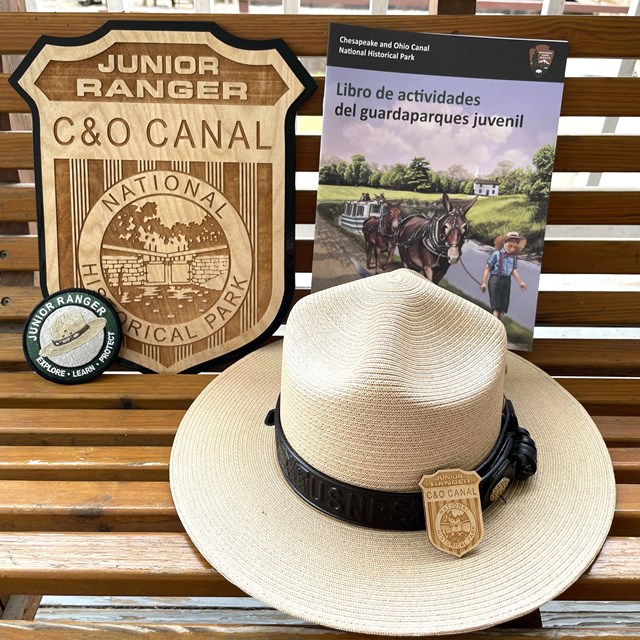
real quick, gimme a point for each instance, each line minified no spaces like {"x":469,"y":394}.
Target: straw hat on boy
{"x":512,"y":236}
{"x":380,"y":382}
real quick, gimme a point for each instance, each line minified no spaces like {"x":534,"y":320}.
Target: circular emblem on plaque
{"x":72,"y":336}
{"x":455,"y":525}
{"x":171,"y":252}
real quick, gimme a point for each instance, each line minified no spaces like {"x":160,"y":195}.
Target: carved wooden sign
{"x":165,"y":178}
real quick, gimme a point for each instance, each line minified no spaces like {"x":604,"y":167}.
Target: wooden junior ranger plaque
{"x":452,"y":510}
{"x":165,"y":182}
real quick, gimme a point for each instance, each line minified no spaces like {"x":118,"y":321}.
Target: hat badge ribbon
{"x":450,"y":504}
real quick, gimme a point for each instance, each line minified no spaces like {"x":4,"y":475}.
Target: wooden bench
{"x":85,"y":507}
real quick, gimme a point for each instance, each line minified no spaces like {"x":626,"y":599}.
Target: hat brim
{"x":501,"y":241}
{"x":95,"y":327}
{"x":247,"y":522}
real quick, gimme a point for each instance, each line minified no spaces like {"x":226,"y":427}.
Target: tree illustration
{"x":141,"y":228}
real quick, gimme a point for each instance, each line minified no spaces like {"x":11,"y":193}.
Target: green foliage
{"x":329,"y":174}
{"x":495,"y":216}
{"x":395,"y":178}
{"x":358,"y":172}
{"x":418,"y":175}
{"x":539,"y":185}
{"x":374,"y":178}
{"x":514,"y":181}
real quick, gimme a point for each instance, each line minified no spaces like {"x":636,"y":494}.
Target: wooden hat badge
{"x":165,"y":168}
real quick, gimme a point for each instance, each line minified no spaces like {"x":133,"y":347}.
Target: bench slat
{"x":611,"y":396}
{"x":16,"y":303}
{"x":148,"y":506}
{"x":151,"y":464}
{"x":581,"y":97}
{"x":104,"y":427}
{"x":619,"y":431}
{"x":107,"y":564}
{"x":594,"y":207}
{"x":85,"y":463}
{"x":110,"y":391}
{"x":588,"y":308}
{"x":589,"y":35}
{"x":110,"y":506}
{"x":87,"y":427}
{"x":18,"y":203}
{"x":586,"y":357}
{"x":560,"y":256}
{"x":573,"y":153}
{"x":557,"y":357}
{"x":168,"y":564}
{"x":20,"y":630}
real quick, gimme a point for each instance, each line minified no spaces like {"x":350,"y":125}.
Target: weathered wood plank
{"x":148,"y":506}
{"x":18,"y":203}
{"x":590,"y":357}
{"x":626,"y":521}
{"x":594,"y":207}
{"x":110,"y":391}
{"x":626,"y":464}
{"x":151,"y":464}
{"x":619,"y":431}
{"x":307,"y":34}
{"x":181,"y":631}
{"x":610,"y":396}
{"x":107,"y":563}
{"x":84,"y":463}
{"x":120,"y":427}
{"x":168,"y":564}
{"x":588,"y":308}
{"x":612,"y":576}
{"x":19,"y":607}
{"x":87,"y":427}
{"x":19,"y":253}
{"x":16,"y":303}
{"x":593,"y":97}
{"x":102,"y":506}
{"x":16,"y":150}
{"x":573,"y":153}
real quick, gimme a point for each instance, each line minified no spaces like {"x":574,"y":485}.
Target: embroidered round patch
{"x":72,"y":336}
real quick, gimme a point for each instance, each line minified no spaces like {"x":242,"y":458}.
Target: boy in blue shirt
{"x":501,"y":266}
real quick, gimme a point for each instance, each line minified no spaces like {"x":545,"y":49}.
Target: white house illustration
{"x":485,"y":187}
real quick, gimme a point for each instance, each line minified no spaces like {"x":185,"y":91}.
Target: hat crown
{"x":386,"y":379}
{"x":67,"y":324}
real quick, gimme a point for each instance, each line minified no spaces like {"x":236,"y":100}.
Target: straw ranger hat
{"x":379,"y":382}
{"x":70,"y":331}
{"x":512,"y":236}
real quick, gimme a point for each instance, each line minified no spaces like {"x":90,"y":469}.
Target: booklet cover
{"x":436,"y":155}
